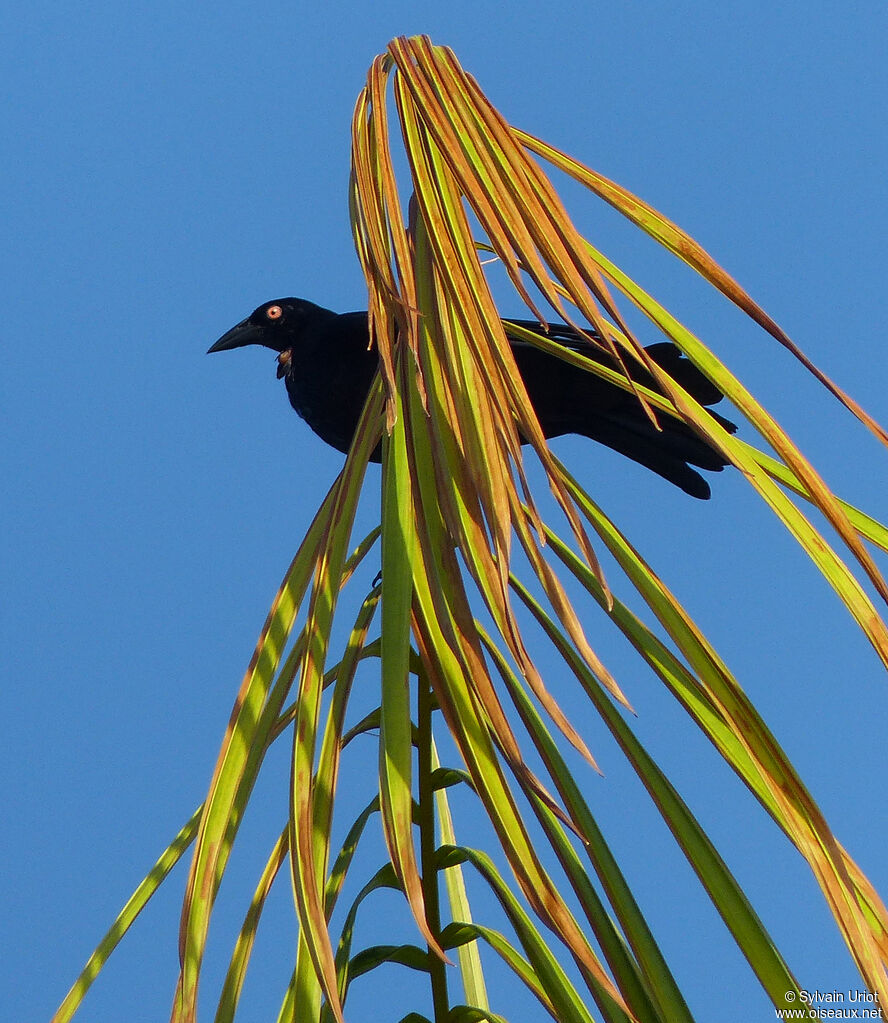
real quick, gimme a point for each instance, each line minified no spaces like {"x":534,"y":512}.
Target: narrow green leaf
{"x":863,"y":921}
{"x":566,"y":1001}
{"x":727,"y":896}
{"x":369,"y":959}
{"x":395,"y":740}
{"x":646,"y":983}
{"x":219,"y":820}
{"x":469,"y":955}
{"x":127,"y":916}
{"x":237,"y":969}
{"x":457,"y":934}
{"x":307,"y":845}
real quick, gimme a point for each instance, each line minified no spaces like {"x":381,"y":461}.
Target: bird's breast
{"x":330,"y":402}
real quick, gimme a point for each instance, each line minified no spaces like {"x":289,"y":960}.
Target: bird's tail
{"x":671,"y":450}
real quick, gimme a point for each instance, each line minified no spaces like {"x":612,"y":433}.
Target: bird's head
{"x":276,"y":324}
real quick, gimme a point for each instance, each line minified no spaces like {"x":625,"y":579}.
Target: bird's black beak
{"x":245,"y":333}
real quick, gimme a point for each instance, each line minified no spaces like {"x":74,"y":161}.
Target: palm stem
{"x":427,"y":846}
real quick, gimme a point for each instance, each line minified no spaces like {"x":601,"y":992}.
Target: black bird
{"x":328,"y":368}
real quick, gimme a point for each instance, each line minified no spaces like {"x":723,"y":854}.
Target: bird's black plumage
{"x":327,"y":366}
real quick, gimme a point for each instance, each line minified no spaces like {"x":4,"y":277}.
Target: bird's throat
{"x":284,"y":362}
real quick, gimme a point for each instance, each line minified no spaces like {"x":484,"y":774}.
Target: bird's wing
{"x":664,"y":353}
{"x":559,"y":332}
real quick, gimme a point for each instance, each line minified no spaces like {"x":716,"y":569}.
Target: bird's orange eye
{"x":274,"y":312}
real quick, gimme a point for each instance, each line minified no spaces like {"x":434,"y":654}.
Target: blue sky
{"x":170,"y":168}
